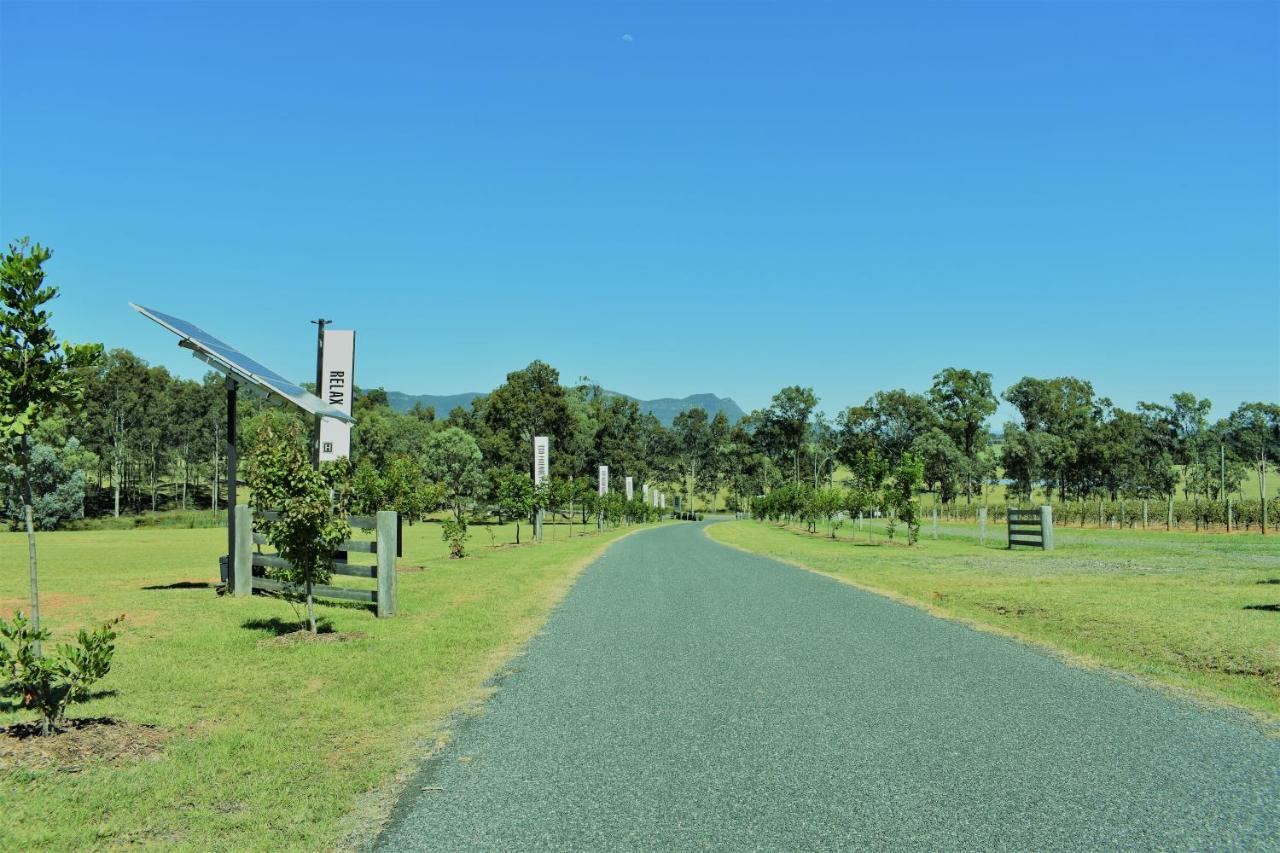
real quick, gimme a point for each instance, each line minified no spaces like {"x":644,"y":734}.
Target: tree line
{"x":147,"y":440}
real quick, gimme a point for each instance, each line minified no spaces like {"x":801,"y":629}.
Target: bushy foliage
{"x":453,"y":460}
{"x":57,"y":487}
{"x":312,"y":506}
{"x":454,"y":532}
{"x":47,"y":684}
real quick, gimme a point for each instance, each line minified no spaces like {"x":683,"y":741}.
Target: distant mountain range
{"x":664,"y":408}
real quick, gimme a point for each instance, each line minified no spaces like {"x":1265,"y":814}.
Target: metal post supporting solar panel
{"x":231,"y":479}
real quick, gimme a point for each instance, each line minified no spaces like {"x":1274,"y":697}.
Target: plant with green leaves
{"x":453,"y":460}
{"x":39,"y":374}
{"x":454,"y":532}
{"x":57,"y":485}
{"x":900,"y":496}
{"x":827,"y":504}
{"x":366,"y":488}
{"x":312,"y":506}
{"x":515,"y":496}
{"x":47,"y":684}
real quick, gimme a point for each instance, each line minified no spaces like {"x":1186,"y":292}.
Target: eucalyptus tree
{"x":39,"y":375}
{"x":944,"y":466}
{"x":693,"y":438}
{"x":1254,"y":431}
{"x":964,"y":401}
{"x":787,"y":421}
{"x":1067,"y":409}
{"x":1183,"y":427}
{"x":530,"y":403}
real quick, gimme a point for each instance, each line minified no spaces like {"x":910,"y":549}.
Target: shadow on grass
{"x":279,"y":627}
{"x":1270,"y":580}
{"x":183,"y":585}
{"x":1270,"y":608}
{"x":8,"y":706}
{"x":320,"y":600}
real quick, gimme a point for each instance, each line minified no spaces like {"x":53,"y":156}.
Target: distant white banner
{"x":541,"y":459}
{"x":338,"y":372}
{"x":604,"y":480}
{"x":644,"y":492}
{"x":630,"y":490}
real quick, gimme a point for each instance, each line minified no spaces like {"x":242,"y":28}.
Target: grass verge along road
{"x":1195,"y":612}
{"x":269,"y":746}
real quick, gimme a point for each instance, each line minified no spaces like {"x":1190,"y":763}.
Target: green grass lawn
{"x":284,"y":746}
{"x":1200,"y":612}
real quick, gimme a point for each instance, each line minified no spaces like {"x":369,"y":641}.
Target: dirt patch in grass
{"x":79,"y":743}
{"x":1014,"y":610}
{"x":409,"y":570}
{"x":48,"y":603}
{"x":304,"y":637}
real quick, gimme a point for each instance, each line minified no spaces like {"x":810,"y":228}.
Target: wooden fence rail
{"x":250,"y":564}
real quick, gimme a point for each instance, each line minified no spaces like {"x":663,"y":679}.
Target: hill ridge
{"x":663,"y":408}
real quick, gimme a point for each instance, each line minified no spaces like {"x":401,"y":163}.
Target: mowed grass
{"x":1199,"y":612}
{"x":274,"y":746}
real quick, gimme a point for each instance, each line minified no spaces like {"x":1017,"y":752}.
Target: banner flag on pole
{"x":338,"y":367}
{"x":541,"y":459}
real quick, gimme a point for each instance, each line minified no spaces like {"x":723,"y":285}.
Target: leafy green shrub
{"x":455,"y":533}
{"x":57,"y":487}
{"x":48,"y":684}
{"x":312,"y":506}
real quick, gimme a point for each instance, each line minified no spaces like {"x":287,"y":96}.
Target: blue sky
{"x":737,"y":197}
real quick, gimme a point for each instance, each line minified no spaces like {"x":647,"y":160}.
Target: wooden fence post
{"x":1046,"y":527}
{"x":387,"y":546}
{"x":982,"y":526}
{"x":241,"y":579}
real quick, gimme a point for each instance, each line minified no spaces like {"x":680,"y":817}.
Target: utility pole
{"x":315,"y":439}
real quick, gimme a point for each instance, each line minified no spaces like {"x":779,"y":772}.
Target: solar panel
{"x":228,"y":359}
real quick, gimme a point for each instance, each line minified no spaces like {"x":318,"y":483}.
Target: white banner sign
{"x":644,"y":492}
{"x":630,"y":489}
{"x":604,"y":480}
{"x":338,"y":369}
{"x":541,"y":459}
{"x":663,"y":499}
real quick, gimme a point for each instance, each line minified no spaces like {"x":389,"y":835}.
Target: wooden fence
{"x":251,"y":563}
{"x":1032,"y":527}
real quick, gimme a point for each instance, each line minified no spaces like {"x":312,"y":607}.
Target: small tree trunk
{"x":1262,"y":488}
{"x":115,"y":480}
{"x":311,"y":606}
{"x":31,"y":549}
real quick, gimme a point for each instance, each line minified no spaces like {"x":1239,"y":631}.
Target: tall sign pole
{"x":602,"y":490}
{"x":315,"y":438}
{"x":630,"y":492}
{"x":541,"y":471}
